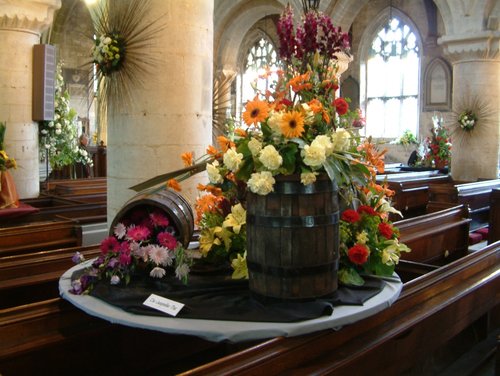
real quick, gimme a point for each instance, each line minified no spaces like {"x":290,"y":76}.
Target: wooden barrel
{"x":170,"y":203}
{"x":293,"y":240}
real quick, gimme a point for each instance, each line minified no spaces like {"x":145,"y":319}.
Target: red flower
{"x":109,"y":244}
{"x":386,"y":230}
{"x":341,"y":106}
{"x":366,"y":209}
{"x":358,"y":254}
{"x":167,"y":240}
{"x":158,"y":219}
{"x":350,"y":216}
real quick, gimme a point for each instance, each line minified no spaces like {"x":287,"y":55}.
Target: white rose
{"x":107,"y":40}
{"x":270,"y":158}
{"x":341,"y":140}
{"x":255,"y":146}
{"x":232,"y":159}
{"x":307,"y":178}
{"x":261,"y":183}
{"x":313,"y":156}
{"x":325,"y":142}
{"x":58,"y":131}
{"x":213,"y":173}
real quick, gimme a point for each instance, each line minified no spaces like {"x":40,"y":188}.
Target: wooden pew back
{"x":494,"y":221}
{"x":436,"y":238}
{"x":39,"y":236}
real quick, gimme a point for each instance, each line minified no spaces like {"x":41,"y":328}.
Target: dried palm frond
{"x":128,"y":21}
{"x":221,"y":104}
{"x":476,"y":107}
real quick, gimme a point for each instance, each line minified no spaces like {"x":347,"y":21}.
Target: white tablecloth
{"x":233,"y":331}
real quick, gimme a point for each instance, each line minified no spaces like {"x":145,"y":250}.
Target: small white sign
{"x":160,"y":303}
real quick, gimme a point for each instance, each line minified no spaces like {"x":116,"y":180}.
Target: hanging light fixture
{"x":308,"y":5}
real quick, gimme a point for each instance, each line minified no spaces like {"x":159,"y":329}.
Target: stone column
{"x":472,"y":44}
{"x":21,"y":24}
{"x":171,"y":113}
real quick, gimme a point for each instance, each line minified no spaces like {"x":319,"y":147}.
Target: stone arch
{"x":437,"y":86}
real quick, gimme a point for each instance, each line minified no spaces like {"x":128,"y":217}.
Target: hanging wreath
{"x":122,"y":53}
{"x":471,"y":115}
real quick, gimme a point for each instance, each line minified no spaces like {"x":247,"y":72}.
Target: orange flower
{"x":373,"y":157}
{"x":216,"y":191}
{"x":174,"y":184}
{"x":206,"y":203}
{"x":292,"y":124}
{"x":255,"y":111}
{"x":240,"y":132}
{"x":315,"y":105}
{"x":225,"y":143}
{"x":187,"y":158}
{"x":300,"y":82}
{"x":211,"y":150}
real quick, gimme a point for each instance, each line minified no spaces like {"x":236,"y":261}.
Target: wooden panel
{"x":494,"y":220}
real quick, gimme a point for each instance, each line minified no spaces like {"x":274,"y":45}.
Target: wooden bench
{"x":34,"y":277}
{"x":494,"y":222}
{"x":433,"y":309}
{"x":57,"y":208}
{"x":437,"y":237}
{"x":51,"y":184}
{"x":412,"y":190}
{"x":39,"y":236}
{"x":475,"y":195}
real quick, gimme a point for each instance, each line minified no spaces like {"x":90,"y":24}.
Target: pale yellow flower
{"x":362,"y":237}
{"x":224,"y":235}
{"x":213,"y":173}
{"x":314,"y":156}
{"x":255,"y":146}
{"x":239,"y":264}
{"x":236,"y":218}
{"x":341,"y":140}
{"x":307,"y":178}
{"x":232,"y":159}
{"x":270,"y":158}
{"x":208,"y":240}
{"x":274,"y":122}
{"x":390,"y":254}
{"x":261,"y":183}
{"x":324,"y":141}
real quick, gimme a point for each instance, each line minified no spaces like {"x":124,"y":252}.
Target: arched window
{"x":262,"y":57}
{"x":392,"y":80}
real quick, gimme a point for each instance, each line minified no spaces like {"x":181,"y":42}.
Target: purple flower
{"x":113,"y":262}
{"x":115,"y":280}
{"x":77,"y":258}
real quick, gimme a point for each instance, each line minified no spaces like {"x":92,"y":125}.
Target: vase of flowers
{"x":438,"y":145}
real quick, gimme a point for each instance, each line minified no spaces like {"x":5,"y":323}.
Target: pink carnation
{"x":138,"y":233}
{"x":167,"y":240}
{"x":109,"y":244}
{"x":159,"y":220}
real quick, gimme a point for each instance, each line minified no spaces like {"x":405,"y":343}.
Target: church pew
{"x":39,"y":236}
{"x":83,"y":189}
{"x":494,"y":221}
{"x":412,"y":189}
{"x":475,"y":195}
{"x":51,"y":185}
{"x":57,"y":208}
{"x":433,"y":308}
{"x":34,"y":277}
{"x":437,"y":237}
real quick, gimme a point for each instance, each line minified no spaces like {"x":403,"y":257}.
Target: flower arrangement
{"x":438,"y":145}
{"x":108,"y":53}
{"x":406,"y":139}
{"x":143,"y":242}
{"x":467,"y":120}
{"x":368,"y":240}
{"x":6,"y":162}
{"x":59,"y":138}
{"x":301,"y":128}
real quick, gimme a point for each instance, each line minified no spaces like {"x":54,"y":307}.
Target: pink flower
{"x":125,"y":256}
{"x":160,"y":255}
{"x":138,"y":233}
{"x":120,"y":230}
{"x":109,"y":244}
{"x":158,"y":219}
{"x":167,"y":240}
